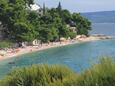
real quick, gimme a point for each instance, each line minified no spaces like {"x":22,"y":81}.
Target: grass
{"x":100,"y":74}
{"x":39,"y":75}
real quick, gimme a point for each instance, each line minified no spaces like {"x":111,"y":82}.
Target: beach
{"x":10,"y":53}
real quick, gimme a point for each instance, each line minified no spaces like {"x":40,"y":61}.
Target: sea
{"x":78,"y":56}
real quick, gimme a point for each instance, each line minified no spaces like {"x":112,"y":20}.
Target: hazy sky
{"x":81,"y":5}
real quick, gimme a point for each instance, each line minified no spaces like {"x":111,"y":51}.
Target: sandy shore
{"x":20,"y":51}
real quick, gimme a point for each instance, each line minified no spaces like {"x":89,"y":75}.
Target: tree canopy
{"x":22,"y":24}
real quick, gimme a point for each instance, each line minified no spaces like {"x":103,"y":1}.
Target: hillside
{"x":101,"y":17}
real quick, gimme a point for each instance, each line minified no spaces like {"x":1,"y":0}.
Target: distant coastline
{"x":29,"y":49}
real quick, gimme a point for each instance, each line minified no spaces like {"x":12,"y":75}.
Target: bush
{"x":40,"y":75}
{"x":5,"y":44}
{"x":101,"y":74}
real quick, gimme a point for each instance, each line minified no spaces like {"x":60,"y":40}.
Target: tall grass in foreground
{"x":40,"y":75}
{"x":101,"y":74}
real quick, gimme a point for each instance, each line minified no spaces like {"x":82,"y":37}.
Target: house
{"x":37,"y":8}
{"x":36,"y":42}
{"x":72,"y":28}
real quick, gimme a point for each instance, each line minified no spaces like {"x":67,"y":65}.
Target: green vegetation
{"x":39,"y":75}
{"x":23,"y":24}
{"x":5,"y":44}
{"x":100,"y":74}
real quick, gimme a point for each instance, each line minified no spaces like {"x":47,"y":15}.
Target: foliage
{"x":25,"y":25}
{"x":82,"y":24}
{"x":14,"y":17}
{"x":59,"y":19}
{"x":5,"y":44}
{"x":102,"y":74}
{"x":40,"y":75}
{"x":45,"y":35}
{"x":72,"y":35}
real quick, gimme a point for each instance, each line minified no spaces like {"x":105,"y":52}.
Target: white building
{"x":35,"y":7}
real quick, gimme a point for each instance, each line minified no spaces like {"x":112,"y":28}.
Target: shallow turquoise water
{"x":77,"y":56}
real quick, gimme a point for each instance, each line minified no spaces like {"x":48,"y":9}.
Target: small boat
{"x":11,"y":63}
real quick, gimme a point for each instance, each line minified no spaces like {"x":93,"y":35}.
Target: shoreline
{"x":29,"y":49}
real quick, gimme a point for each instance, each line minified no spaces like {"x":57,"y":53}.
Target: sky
{"x":81,"y":5}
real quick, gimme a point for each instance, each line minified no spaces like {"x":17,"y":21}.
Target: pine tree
{"x":44,"y":9}
{"x":59,"y":7}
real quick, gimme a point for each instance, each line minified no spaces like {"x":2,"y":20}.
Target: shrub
{"x":101,"y":74}
{"x":40,"y":75}
{"x":5,"y":44}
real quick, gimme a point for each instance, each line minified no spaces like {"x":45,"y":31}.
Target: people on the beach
{"x":11,"y":52}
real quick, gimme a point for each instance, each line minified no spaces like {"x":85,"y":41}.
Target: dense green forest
{"x":101,"y":74}
{"x":22,"y":24}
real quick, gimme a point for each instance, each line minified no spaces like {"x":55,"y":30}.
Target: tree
{"x":66,"y":15}
{"x":59,"y":8}
{"x":28,"y":2}
{"x":83,"y":25}
{"x":45,"y":34}
{"x":16,"y":18}
{"x":22,"y":24}
{"x":54,"y":32}
{"x":34,"y":19}
{"x":44,"y":9}
{"x":63,"y":31}
{"x":24,"y":32}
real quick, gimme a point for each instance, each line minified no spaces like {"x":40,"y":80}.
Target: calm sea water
{"x":78,"y":56}
{"x":103,"y":28}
